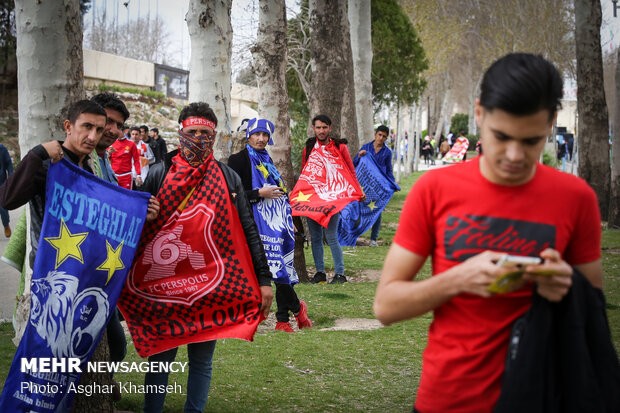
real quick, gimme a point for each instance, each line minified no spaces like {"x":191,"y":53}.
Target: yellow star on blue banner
{"x":372,"y":205}
{"x":67,"y":244}
{"x":263,"y":169}
{"x":113,"y":261}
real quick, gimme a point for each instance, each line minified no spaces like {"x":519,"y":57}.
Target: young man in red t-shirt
{"x":467,"y":216}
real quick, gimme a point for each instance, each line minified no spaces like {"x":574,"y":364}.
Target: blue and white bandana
{"x":260,"y":125}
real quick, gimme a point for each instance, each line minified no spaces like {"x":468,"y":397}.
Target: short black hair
{"x":322,"y":118}
{"x":155,"y":130}
{"x":383,"y":128}
{"x":200,"y":109}
{"x":522,"y":84}
{"x":134,"y":128}
{"x":84,"y":106}
{"x":111,"y":101}
{"x":146,"y":128}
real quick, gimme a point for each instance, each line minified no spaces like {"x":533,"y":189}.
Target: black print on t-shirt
{"x":468,"y":235}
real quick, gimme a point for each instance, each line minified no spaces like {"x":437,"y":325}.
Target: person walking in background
{"x":145,"y":153}
{"x":158,"y":145}
{"x":561,"y":151}
{"x":6,"y":169}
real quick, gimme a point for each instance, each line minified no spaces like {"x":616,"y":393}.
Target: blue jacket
{"x":6,"y":164}
{"x":383,"y":158}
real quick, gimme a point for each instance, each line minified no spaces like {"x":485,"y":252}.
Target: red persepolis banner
{"x":326,"y":185}
{"x":457,"y":152}
{"x":192,"y":279}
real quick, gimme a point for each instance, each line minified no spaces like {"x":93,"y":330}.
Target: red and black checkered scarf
{"x":192,"y":279}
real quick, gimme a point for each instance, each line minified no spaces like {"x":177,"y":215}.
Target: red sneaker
{"x":286,"y":327}
{"x":302,"y":318}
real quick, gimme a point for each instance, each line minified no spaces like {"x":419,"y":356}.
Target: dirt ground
{"x":346,"y":324}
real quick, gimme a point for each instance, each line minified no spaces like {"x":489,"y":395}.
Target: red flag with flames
{"x":326,"y":185}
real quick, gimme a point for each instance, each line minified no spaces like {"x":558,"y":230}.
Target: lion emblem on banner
{"x":68,"y":321}
{"x":276,"y":214}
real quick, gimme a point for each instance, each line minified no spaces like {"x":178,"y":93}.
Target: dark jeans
{"x":5,"y":216}
{"x":287,"y":300}
{"x":316,"y":238}
{"x":200,"y":356}
{"x":374,"y":232}
{"x":116,"y":338}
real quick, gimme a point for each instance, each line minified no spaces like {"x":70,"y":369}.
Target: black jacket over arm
{"x":561,"y":358}
{"x":155,"y":180}
{"x":240,"y":163}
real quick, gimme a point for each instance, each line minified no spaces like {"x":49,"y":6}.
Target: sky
{"x":244,"y":17}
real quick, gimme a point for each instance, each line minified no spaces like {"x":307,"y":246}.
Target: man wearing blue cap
{"x":267,"y":194}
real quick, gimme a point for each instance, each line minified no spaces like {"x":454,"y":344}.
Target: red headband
{"x":193,"y":121}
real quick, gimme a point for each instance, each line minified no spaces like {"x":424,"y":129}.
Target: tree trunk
{"x":614,"y":201}
{"x":331,"y":65}
{"x":361,"y":46}
{"x":443,"y":114}
{"x":269,"y":55}
{"x":50,"y":79}
{"x":418,"y":135}
{"x":397,"y":147}
{"x":50,"y":67}
{"x":348,"y":114}
{"x":97,"y":402}
{"x":270,"y":58}
{"x":591,"y":107}
{"x":410,"y":152}
{"x":210,"y":31}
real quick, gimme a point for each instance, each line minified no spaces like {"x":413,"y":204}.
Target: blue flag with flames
{"x":357,"y":217}
{"x":90,"y":232}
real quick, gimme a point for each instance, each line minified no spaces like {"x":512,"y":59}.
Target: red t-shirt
{"x":454,"y":213}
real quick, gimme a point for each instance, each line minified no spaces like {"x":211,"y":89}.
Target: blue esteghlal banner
{"x":90,"y":232}
{"x":357,"y":217}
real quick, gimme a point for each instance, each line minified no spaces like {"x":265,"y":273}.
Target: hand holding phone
{"x":514,"y":266}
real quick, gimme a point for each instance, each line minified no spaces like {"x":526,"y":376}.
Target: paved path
{"x":9,"y":276}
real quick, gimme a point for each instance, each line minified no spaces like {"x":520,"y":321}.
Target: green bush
{"x":549,"y":159}
{"x":473,"y":140}
{"x":299,"y":135}
{"x":459,"y":122}
{"x":158,"y":96}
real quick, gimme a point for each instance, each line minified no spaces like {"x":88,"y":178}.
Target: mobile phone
{"x":510,"y":279}
{"x":518,"y":261}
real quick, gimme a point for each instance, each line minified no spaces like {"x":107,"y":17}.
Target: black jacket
{"x":561,"y":357}
{"x":155,"y":180}
{"x":27,"y":185}
{"x":240,"y":163}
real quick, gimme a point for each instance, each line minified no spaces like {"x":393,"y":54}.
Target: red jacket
{"x":124,"y":152}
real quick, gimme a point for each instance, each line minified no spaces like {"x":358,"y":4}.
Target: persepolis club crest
{"x":181,"y":263}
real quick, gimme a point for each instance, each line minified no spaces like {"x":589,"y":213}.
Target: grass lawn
{"x":328,"y":371}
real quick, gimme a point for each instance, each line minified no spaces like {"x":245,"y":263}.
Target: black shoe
{"x":338,"y":279}
{"x":319,"y":278}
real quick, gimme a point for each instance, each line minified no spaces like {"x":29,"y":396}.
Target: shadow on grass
{"x":336,"y":296}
